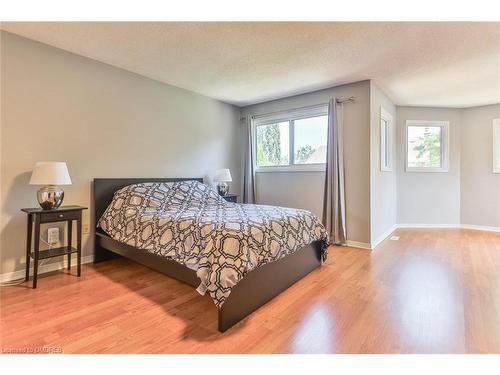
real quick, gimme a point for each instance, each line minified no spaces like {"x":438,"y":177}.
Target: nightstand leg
{"x":79,"y":243}
{"x":28,"y":246}
{"x":36,"y":249}
{"x":70,"y":241}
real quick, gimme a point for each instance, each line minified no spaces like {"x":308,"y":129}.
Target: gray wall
{"x":104,"y":122}
{"x":383,"y":184}
{"x":107,"y":122}
{"x":480,"y":187}
{"x":429,"y":198}
{"x":1,"y":148}
{"x":298,"y":189}
{"x":305,"y":190}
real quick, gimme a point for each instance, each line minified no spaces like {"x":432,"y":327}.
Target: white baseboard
{"x":16,"y":275}
{"x":455,"y":226}
{"x":480,"y":227}
{"x":383,"y":236}
{"x":359,"y":245}
{"x":420,"y":225}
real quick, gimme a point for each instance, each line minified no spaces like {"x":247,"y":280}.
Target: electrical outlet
{"x":53,"y":235}
{"x":86,"y":228}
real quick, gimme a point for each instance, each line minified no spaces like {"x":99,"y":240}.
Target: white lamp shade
{"x":223,"y":175}
{"x":50,"y":173}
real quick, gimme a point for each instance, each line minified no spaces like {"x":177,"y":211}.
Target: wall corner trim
{"x":383,"y":236}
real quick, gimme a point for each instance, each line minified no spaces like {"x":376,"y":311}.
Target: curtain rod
{"x":340,"y":100}
{"x":349,"y":99}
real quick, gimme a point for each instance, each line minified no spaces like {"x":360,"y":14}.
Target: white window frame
{"x":445,"y":142}
{"x":386,"y":134}
{"x":291,"y":116}
{"x":496,"y":146}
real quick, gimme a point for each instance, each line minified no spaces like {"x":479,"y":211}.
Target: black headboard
{"x":105,"y":188}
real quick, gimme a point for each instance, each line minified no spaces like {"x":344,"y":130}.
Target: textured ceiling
{"x":417,"y":64}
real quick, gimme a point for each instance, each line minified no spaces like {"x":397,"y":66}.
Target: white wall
{"x":429,"y":198}
{"x":480,"y":187}
{"x":383,"y":184}
{"x":104,"y":122}
{"x":305,"y":190}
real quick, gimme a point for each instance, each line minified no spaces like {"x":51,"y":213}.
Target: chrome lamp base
{"x":50,"y":197}
{"x":222,"y":188}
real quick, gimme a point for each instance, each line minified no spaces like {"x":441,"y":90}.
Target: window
{"x":310,"y":135}
{"x":426,"y":146}
{"x":273,"y":147}
{"x":386,"y":140}
{"x":293,"y":140}
{"x":496,"y":145}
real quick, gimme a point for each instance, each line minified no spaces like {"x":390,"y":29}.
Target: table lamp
{"x":50,"y":174}
{"x":222,"y":176}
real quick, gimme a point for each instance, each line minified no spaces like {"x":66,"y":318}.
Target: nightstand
{"x":39,"y":216}
{"x":230,"y":197}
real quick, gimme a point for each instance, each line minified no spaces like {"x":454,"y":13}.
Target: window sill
{"x":296,"y":168}
{"x":427,"y":170}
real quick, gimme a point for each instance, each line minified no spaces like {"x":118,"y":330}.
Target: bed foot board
{"x":264,"y":283}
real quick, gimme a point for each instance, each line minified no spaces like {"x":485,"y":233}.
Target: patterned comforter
{"x":190,"y":223}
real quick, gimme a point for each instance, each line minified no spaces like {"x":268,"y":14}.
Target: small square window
{"x":427,"y":146}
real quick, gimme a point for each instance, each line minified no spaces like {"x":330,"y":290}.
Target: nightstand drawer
{"x":59,"y":216}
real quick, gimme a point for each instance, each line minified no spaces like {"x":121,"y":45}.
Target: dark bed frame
{"x":254,"y":290}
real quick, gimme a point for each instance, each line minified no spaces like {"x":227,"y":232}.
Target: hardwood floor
{"x":433,"y":291}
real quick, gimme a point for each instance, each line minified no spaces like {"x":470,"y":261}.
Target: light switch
{"x":86,"y":228}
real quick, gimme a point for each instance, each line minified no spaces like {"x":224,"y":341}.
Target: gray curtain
{"x":249,"y":195}
{"x":334,"y":199}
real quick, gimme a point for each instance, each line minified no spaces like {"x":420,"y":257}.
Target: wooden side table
{"x":39,"y":216}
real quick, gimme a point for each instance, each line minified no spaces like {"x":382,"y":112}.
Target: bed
{"x":135,"y":217}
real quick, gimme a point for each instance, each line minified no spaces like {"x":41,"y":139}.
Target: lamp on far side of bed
{"x":50,"y":174}
{"x":222,"y":177}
